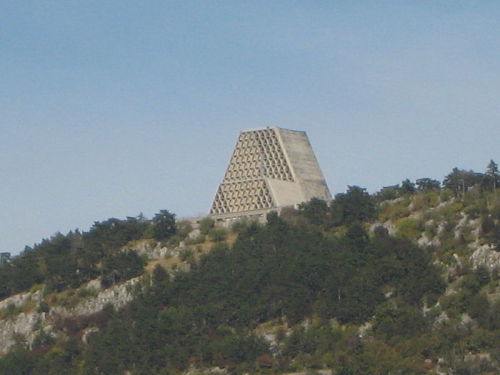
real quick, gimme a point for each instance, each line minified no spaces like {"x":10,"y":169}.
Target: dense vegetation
{"x":333,"y":290}
{"x":68,"y":261}
{"x":279,"y":271}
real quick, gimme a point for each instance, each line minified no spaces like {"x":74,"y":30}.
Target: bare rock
{"x":486,"y":256}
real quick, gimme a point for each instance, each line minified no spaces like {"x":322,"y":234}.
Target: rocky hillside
{"x":401,"y":282}
{"x":27,"y":316}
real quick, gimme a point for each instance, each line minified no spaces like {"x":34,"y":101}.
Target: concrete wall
{"x":304,"y":165}
{"x":285,"y":193}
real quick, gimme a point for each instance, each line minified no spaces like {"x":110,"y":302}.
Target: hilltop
{"x":404,"y":281}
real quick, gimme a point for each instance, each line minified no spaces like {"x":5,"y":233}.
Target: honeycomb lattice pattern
{"x":242,"y":196}
{"x":257,"y":155}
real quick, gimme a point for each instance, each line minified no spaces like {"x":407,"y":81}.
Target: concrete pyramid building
{"x":271,"y":168}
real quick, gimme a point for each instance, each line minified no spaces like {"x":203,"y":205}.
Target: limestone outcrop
{"x":25,"y":326}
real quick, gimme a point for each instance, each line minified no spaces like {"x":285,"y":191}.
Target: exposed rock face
{"x":153,"y":250}
{"x":194,"y":234}
{"x":487,"y":256}
{"x":21,"y":327}
{"x":425,"y":241}
{"x":391,"y":228}
{"x":26,"y":325}
{"x":117,"y":296}
{"x":21,"y":299}
{"x":210,"y":371}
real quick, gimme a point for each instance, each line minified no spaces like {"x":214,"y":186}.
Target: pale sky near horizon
{"x":113,"y":108}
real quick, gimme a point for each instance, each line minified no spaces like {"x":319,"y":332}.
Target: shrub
{"x":217,"y":234}
{"x":184,"y":227}
{"x":43,"y":339}
{"x":445,"y":195}
{"x":430,"y":229}
{"x":449,"y":212}
{"x":495,"y":211}
{"x":86,"y":292}
{"x":10,"y":311}
{"x":44,"y":307}
{"x":185,"y":254}
{"x":206,"y":225}
{"x":487,"y":225}
{"x":196,"y":241}
{"x":240,"y":225}
{"x":454,"y":304}
{"x":394,"y":211}
{"x":408,"y":228}
{"x":425,"y":200}
{"x":472,"y":211}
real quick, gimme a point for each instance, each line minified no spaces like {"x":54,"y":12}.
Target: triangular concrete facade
{"x":270,"y":168}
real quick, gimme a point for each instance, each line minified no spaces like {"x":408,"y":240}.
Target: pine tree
{"x":493,"y":174}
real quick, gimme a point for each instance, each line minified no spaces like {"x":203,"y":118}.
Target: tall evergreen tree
{"x":164,"y":225}
{"x":492,"y":174}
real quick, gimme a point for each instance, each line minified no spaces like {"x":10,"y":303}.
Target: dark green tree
{"x":493,"y":175}
{"x":315,"y":211}
{"x":427,"y":184}
{"x":164,"y":225}
{"x":392,"y":321}
{"x":121,"y":266}
{"x":460,"y":180}
{"x":407,"y":186}
{"x":19,"y":361}
{"x":354,"y":205}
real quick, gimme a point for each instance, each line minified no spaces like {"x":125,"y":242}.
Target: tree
{"x":357,"y":235}
{"x":492,"y":174}
{"x":121,"y":266}
{"x":407,"y":186}
{"x":18,"y":362}
{"x":427,"y":184}
{"x":460,"y":180}
{"x":164,"y":225}
{"x":315,"y":211}
{"x":391,"y":321}
{"x":354,"y":205}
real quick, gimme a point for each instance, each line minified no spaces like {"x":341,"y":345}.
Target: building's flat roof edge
{"x":271,"y":127}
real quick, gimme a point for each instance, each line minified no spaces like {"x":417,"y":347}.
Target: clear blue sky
{"x":112,"y":108}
